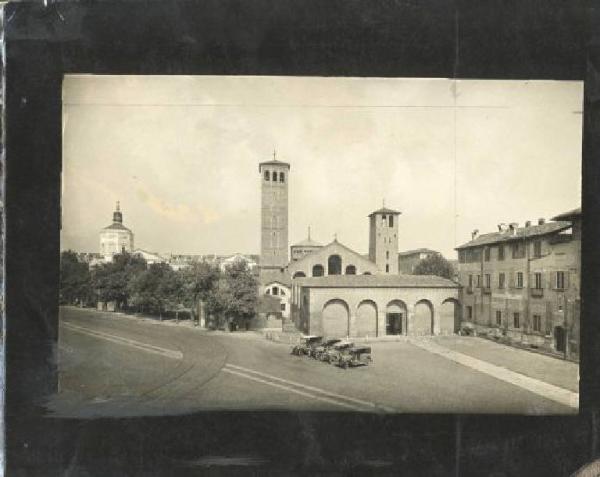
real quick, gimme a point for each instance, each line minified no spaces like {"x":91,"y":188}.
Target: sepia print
{"x":319,"y":244}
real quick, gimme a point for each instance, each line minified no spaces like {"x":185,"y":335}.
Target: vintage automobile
{"x":306,"y":344}
{"x":355,"y":356}
{"x":321,"y":350}
{"x":334,"y":353}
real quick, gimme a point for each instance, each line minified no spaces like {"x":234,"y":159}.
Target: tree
{"x":236,"y":297}
{"x":75,"y":279}
{"x":435,"y":264}
{"x":199,"y":281}
{"x":111,"y":280}
{"x":157,"y":289}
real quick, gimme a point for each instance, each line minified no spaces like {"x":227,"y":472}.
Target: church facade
{"x":332,"y":290}
{"x":116,"y":238}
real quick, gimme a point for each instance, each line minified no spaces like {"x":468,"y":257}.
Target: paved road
{"x":114,"y":365}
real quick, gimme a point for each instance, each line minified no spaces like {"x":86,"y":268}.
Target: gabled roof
{"x":520,"y":233}
{"x":385,"y":210}
{"x":116,"y":226}
{"x":570,"y":215}
{"x":325,"y":250}
{"x":417,"y":250}
{"x":307,"y":243}
{"x":377,"y":280}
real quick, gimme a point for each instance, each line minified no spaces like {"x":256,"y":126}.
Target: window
{"x":281,"y":177}
{"x":299,"y":275}
{"x":537,"y":248}
{"x":469,"y":312}
{"x":470,"y":281}
{"x":518,"y":250}
{"x":488,"y":280}
{"x":387,"y":269}
{"x":391,"y":220}
{"x":266,"y":175}
{"x":318,"y":271}
{"x":384,"y":221}
{"x":478,"y":281}
{"x":498,"y":317}
{"x":519,"y":280}
{"x":274,"y":176}
{"x":560,"y":280}
{"x":283,"y":307}
{"x":269,"y":291}
{"x":487,"y":254}
{"x":537,"y":277}
{"x":275,"y":291}
{"x":500,"y":252}
{"x":387,"y":254}
{"x":537,"y":323}
{"x":501,"y":280}
{"x":516,"y":320}
{"x":334,"y":265}
{"x":350,"y":270}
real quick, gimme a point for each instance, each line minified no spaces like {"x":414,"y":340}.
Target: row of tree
{"x":229,"y":297}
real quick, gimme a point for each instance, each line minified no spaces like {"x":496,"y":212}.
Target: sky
{"x":181,"y":155}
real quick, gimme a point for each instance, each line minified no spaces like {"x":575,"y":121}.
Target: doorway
{"x":393,"y":323}
{"x":560,"y":339}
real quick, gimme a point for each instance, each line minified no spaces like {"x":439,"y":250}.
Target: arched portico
{"x":396,"y":313}
{"x":421,"y":323}
{"x":449,"y":316}
{"x":336,"y":318}
{"x":366,"y":319}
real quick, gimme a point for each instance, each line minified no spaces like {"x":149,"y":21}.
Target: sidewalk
{"x":564,"y":374}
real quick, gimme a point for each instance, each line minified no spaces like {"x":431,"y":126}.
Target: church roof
{"x":116,"y":226}
{"x":273,"y":162}
{"x":385,"y":210}
{"x":308,"y":243}
{"x":377,"y":280}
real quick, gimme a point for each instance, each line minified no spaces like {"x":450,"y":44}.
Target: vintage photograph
{"x":377,"y":245}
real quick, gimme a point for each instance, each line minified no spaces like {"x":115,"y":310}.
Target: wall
{"x":310,"y":303}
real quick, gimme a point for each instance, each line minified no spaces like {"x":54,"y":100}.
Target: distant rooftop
{"x":382,"y":281}
{"x":308,"y":243}
{"x":417,"y":250}
{"x":570,"y":215}
{"x":116,"y":226}
{"x":385,"y":210}
{"x":519,"y":233}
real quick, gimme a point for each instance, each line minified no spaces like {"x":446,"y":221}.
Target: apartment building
{"x":520,"y":285}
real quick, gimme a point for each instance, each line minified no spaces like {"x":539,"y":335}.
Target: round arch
{"x":449,"y":315}
{"x":366,"y":319}
{"x":336,"y":318}
{"x":350,"y":270}
{"x":334,"y":265}
{"x":396,"y":313}
{"x":422,"y":319}
{"x":299,"y":274}
{"x":318,"y":270}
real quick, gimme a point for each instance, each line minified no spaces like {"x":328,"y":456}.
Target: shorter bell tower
{"x":383,"y":240}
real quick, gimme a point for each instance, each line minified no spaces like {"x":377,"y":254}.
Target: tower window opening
{"x":266,"y":175}
{"x":274,"y":176}
{"x":391,"y":220}
{"x":281,"y":177}
{"x":387,"y":269}
{"x":384,"y":220}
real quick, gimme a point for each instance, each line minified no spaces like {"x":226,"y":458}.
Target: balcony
{"x":537,"y":292}
{"x":486,"y":290}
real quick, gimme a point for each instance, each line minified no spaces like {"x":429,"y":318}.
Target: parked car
{"x":321,"y":350}
{"x":335,"y":353}
{"x":306,"y":344}
{"x":356,"y":356}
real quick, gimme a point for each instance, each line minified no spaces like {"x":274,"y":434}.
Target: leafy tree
{"x":435,"y":264}
{"x":111,"y":280}
{"x":199,"y":281}
{"x":75,"y":279}
{"x":237,"y":295}
{"x":157,"y":289}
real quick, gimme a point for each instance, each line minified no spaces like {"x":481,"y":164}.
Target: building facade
{"x":408,"y":260}
{"x":521,"y":284}
{"x":383,"y":240}
{"x":369,"y":306}
{"x":116,"y":238}
{"x":274,"y":213}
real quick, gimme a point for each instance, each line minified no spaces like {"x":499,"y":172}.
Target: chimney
{"x":528,"y":223}
{"x":513,"y":226}
{"x":474,"y":234}
{"x":541,"y":221}
{"x":502,"y":227}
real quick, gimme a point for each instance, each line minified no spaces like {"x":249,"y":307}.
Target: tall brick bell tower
{"x":274,"y":214}
{"x":383,"y":240}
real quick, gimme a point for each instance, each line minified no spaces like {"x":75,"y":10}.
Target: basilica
{"x":335,"y":291}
